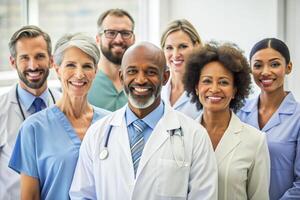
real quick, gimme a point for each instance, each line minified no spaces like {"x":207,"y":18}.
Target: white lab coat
{"x":158,"y":175}
{"x":243,"y":162}
{"x":10,"y":121}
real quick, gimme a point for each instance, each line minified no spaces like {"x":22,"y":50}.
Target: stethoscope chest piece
{"x":103,"y":154}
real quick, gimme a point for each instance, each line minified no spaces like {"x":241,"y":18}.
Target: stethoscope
{"x":19,"y":103}
{"x":104,"y":153}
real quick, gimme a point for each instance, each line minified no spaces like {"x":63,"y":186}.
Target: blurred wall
{"x":242,"y":22}
{"x":293,"y":40}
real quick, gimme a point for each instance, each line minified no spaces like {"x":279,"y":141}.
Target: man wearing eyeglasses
{"x":115,"y":35}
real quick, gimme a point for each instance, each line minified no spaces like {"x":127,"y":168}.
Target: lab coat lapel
{"x":159,"y":136}
{"x":182,"y":99}
{"x":230,"y":139}
{"x":166,"y":93}
{"x":14,"y":103}
{"x":118,"y":122}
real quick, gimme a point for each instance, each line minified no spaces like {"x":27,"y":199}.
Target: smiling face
{"x":32,"y":63}
{"x":76,"y":72}
{"x":216,"y":87}
{"x":178,"y":47}
{"x":143,"y":76}
{"x":269,"y":69}
{"x":113,"y":49}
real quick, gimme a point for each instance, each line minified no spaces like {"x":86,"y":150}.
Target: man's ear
{"x":289,"y":68}
{"x":98,"y":39}
{"x":51,"y":62}
{"x":166,"y":76}
{"x":57,"y":69}
{"x":12,"y":61}
{"x":121,"y":75}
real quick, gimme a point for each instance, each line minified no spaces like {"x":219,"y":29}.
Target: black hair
{"x":273,"y":43}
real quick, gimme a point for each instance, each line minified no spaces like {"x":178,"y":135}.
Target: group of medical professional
{"x":186,"y":129}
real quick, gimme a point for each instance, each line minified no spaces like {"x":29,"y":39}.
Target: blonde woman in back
{"x":178,"y":41}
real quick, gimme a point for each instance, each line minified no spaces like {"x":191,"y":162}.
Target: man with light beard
{"x":145,"y":150}
{"x":30,"y":50}
{"x":115,"y":35}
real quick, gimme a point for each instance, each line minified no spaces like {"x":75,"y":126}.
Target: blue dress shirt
{"x":26,"y":99}
{"x":151,"y":120}
{"x":283,"y":137}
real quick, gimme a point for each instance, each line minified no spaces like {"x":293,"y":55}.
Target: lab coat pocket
{"x":172,"y":180}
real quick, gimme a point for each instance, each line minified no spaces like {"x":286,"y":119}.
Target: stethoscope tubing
{"x":19,"y":103}
{"x":107,"y":136}
{"x":104,"y":152}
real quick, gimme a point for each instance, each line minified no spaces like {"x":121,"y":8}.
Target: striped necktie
{"x":38,"y":103}
{"x":137,"y":143}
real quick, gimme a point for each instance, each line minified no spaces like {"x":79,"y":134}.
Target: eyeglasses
{"x":112,"y":34}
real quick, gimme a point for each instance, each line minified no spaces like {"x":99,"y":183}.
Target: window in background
{"x":56,"y":17}
{"x":10,"y":21}
{"x":59,"y":17}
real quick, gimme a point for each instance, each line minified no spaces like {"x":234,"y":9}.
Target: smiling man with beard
{"x":145,"y":150}
{"x":115,"y":35}
{"x":30,"y":50}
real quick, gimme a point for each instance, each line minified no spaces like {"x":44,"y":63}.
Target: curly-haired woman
{"x":218,"y":79}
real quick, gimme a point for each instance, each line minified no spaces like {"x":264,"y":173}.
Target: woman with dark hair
{"x":277,"y":113}
{"x":218,"y":79}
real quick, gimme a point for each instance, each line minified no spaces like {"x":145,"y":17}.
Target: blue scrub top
{"x":47,"y":149}
{"x":283,"y":137}
{"x":183,"y":103}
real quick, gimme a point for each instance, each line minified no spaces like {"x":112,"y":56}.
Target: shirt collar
{"x":26,"y":98}
{"x":151,"y":119}
{"x":287,"y":106}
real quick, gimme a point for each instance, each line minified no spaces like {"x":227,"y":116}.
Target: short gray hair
{"x":28,"y":31}
{"x":83,"y":42}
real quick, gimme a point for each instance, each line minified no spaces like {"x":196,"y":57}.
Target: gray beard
{"x":140,"y":105}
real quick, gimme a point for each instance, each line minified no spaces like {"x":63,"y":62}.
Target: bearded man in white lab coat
{"x":146,"y":150}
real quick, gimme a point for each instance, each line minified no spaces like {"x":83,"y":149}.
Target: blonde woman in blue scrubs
{"x":277,"y":113}
{"x":178,"y":41}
